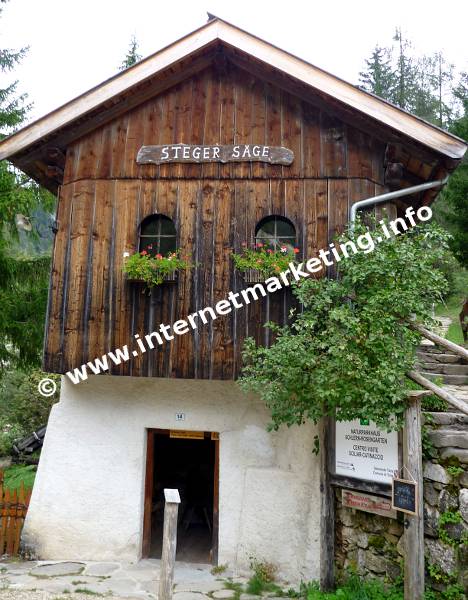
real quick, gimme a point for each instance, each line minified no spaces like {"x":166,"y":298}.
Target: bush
{"x":22,"y":408}
{"x":348,"y":350}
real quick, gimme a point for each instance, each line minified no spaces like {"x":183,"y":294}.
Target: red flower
{"x":270,"y":251}
{"x":158,"y":255}
{"x":143,"y":252}
{"x":150,"y":247}
{"x":296,"y":250}
{"x":244,"y":244}
{"x":259,"y":245}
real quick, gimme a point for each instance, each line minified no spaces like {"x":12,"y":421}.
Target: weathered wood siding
{"x":232,"y":108}
{"x":93,"y":310}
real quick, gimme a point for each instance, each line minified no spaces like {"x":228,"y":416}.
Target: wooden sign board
{"x":365,"y":451}
{"x":171,"y":495}
{"x":368,"y":503}
{"x":187,"y":435}
{"x":405,"y":496}
{"x":185,"y":153}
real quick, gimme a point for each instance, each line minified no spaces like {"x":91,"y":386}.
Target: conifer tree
{"x":378,"y":78}
{"x":23,"y":276}
{"x":132,"y":55}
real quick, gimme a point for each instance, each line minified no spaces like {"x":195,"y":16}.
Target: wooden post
{"x":169,"y":546}
{"x":327,"y":510}
{"x":414,"y":525}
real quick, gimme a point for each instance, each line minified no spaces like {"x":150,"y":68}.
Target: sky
{"x":74,"y":45}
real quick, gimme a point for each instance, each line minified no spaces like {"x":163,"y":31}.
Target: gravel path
{"x":28,"y":595}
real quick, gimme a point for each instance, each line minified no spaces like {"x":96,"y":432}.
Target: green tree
{"x":23,"y":275}
{"x":132,"y":55}
{"x":418,"y":85}
{"x":451,"y":207}
{"x":349,"y":348}
{"x":404,"y":72}
{"x":378,"y":76}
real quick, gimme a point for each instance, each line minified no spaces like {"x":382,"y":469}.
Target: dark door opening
{"x":191,"y":466}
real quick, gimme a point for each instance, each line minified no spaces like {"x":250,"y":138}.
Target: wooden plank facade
{"x":215,"y":207}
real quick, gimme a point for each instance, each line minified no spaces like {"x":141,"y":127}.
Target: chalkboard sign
{"x":405,"y":496}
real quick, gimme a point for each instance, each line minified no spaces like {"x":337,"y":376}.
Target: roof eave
{"x":430,"y":136}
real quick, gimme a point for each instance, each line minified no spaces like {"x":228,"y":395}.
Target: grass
{"x":354,"y":588}
{"x":219,"y":569}
{"x":16,"y":474}
{"x":87,"y":592}
{"x":236,"y":587}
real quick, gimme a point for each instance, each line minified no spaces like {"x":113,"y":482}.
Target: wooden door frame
{"x":148,"y":501}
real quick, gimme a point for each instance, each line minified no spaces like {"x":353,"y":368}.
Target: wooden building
{"x":178,"y":418}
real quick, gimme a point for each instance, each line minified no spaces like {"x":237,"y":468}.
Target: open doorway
{"x":187,"y":461}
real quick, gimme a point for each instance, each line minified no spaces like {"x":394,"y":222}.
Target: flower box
{"x":170,"y":278}
{"x":143,"y":268}
{"x":271,"y":261}
{"x":254,"y":276}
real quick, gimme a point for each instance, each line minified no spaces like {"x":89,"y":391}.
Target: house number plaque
{"x":185,"y":153}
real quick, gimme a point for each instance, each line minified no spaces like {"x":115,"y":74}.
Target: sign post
{"x":414,"y":523}
{"x":169,"y":546}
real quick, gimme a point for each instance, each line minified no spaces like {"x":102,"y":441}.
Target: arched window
{"x":276,"y":232}
{"x":158,"y":235}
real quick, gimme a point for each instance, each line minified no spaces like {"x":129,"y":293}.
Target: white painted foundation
{"x":87,"y":502}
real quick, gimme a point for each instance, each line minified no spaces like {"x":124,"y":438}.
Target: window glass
{"x":158,"y":235}
{"x":276,"y":232}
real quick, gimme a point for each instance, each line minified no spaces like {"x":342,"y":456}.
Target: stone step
{"x":433,"y":349}
{"x":446,"y":438}
{"x":447,"y":369}
{"x":445,"y":358}
{"x":448,"y":419}
{"x":448,"y":379}
{"x":459,"y":391}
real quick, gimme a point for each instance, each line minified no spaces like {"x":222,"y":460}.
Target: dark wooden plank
{"x":205,"y":240}
{"x":333,"y":146}
{"x":360,"y":150}
{"x":186,"y":346}
{"x":148,"y":505}
{"x":212,"y":124}
{"x":222,"y":343}
{"x":215,"y":543}
{"x":273,"y":123}
{"x":292,"y":133}
{"x":337,"y":207}
{"x":118,"y":147}
{"x":258,"y":122}
{"x":183,"y":123}
{"x":243,"y":119}
{"x":134,"y":140}
{"x":95,"y":312}
{"x":78,"y":270}
{"x":167,"y":124}
{"x":53,"y":347}
{"x":310,"y":140}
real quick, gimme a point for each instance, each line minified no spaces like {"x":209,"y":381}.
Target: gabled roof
{"x":103,"y":98}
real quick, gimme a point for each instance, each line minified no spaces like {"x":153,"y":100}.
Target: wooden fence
{"x":13,"y":508}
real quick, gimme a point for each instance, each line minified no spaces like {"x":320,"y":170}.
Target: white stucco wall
{"x":88,"y":497}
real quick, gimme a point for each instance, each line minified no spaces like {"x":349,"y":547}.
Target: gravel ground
{"x":28,"y":595}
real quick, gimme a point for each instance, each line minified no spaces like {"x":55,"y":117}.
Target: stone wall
{"x":373,"y":545}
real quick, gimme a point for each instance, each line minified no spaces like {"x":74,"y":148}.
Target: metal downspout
{"x":390,"y":196}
